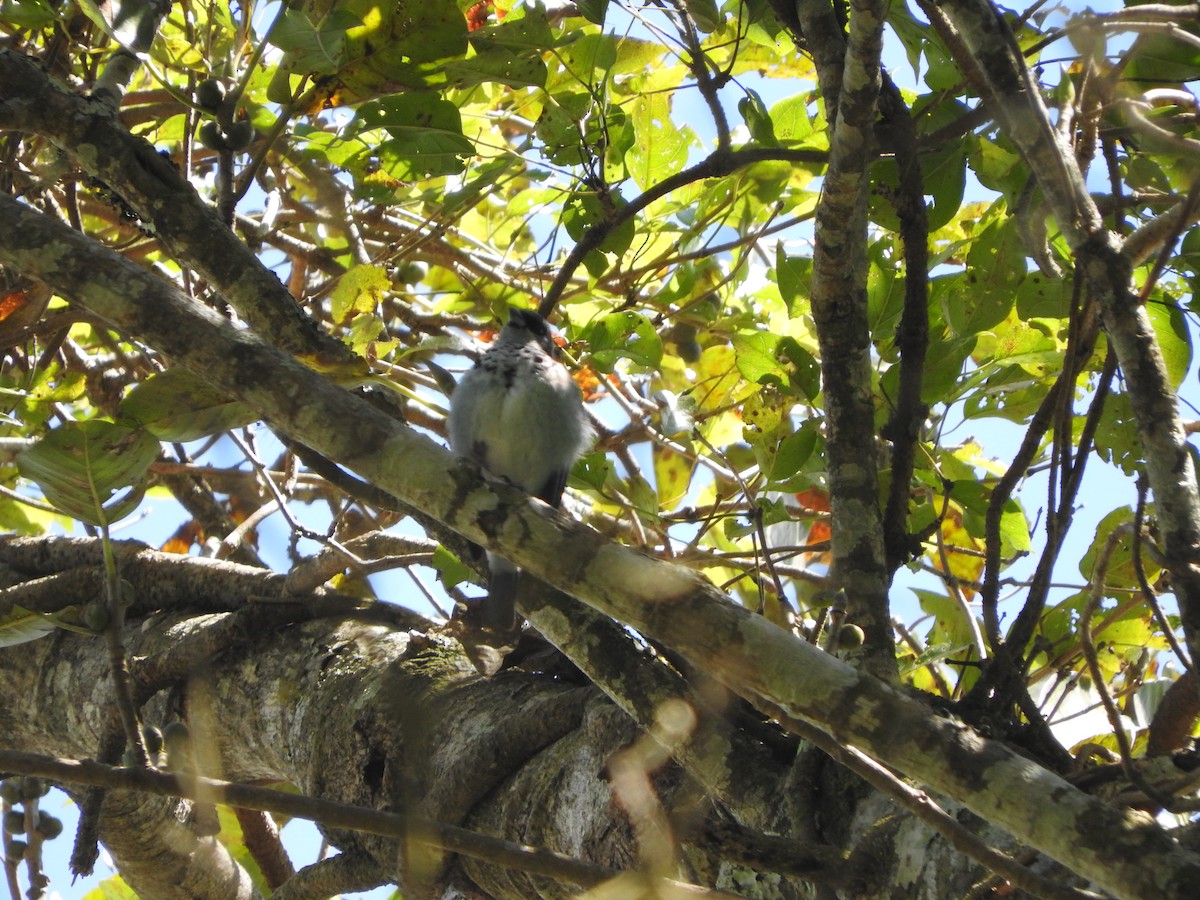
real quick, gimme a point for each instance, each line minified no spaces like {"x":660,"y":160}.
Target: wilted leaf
{"x":672,"y":476}
{"x":360,"y":290}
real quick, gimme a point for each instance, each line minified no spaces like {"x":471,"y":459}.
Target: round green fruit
{"x":48,"y":826}
{"x":10,"y":790}
{"x":851,"y":637}
{"x":14,"y":821}
{"x":33,"y":787}
{"x":211,"y":137}
{"x":95,"y":615}
{"x":240,"y":135}
{"x":209,"y":95}
{"x":152,"y":738}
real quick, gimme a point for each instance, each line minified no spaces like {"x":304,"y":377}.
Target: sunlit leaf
{"x":662,"y":146}
{"x":450,"y":567}
{"x":19,"y":625}
{"x":1174,"y":339}
{"x":360,"y":290}
{"x":624,"y":335}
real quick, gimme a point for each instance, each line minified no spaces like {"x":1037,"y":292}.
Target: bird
{"x":519,"y":415}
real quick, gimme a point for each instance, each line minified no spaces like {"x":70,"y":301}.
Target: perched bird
{"x":520,"y":416}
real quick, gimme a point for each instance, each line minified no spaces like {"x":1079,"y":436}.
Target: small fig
{"x":209,"y":94}
{"x":16,"y":851}
{"x":95,"y":615}
{"x":33,"y":787}
{"x":851,"y":637}
{"x":240,"y":135}
{"x":14,"y":821}
{"x":211,"y":137}
{"x":48,"y":826}
{"x":153,"y":739}
{"x":10,"y":790}
{"x":411,"y":273}
{"x":176,"y":734}
{"x":683,"y":335}
{"x":177,"y":741}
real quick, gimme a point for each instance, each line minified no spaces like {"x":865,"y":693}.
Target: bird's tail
{"x":499,"y":610}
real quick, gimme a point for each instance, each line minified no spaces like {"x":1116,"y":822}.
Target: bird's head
{"x":524,"y":326}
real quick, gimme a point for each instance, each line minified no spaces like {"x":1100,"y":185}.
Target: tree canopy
{"x":865,"y":300}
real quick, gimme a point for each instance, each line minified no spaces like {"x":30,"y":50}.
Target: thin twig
{"x":1099,"y":684}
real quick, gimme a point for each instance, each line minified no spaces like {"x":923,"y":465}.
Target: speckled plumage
{"x":520,"y":416}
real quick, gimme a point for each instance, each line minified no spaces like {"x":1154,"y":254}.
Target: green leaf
{"x":756,"y":358}
{"x":950,"y":623}
{"x":624,"y":335}
{"x":592,"y":472}
{"x":1162,"y":59}
{"x":426,"y":131}
{"x":705,"y":14}
{"x":113,"y":888}
{"x":450,"y":567}
{"x":1173,"y":339}
{"x":176,"y":405}
{"x":27,"y":13}
{"x":793,"y":274}
{"x":757,"y":119}
{"x":793,"y":452}
{"x":311,"y":47}
{"x":82,"y":466}
{"x":1119,"y":574}
{"x":805,"y":375}
{"x":1117,"y":438}
{"x":508,"y":53}
{"x":583,"y":211}
{"x":792,"y":122}
{"x":367,"y":49}
{"x":672,"y":476}
{"x":661,"y":147}
{"x":1014,"y":530}
{"x":593,"y":10}
{"x":560,"y":127}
